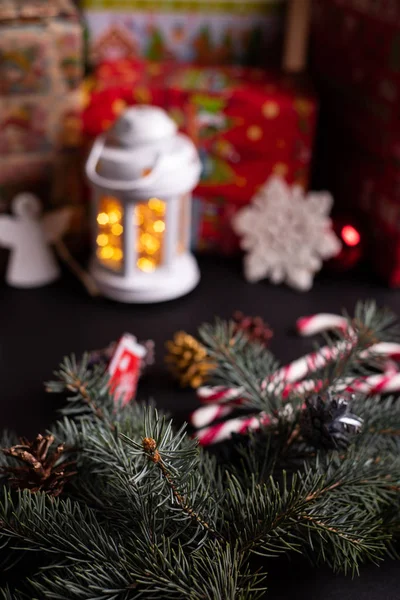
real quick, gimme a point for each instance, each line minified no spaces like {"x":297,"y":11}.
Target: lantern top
{"x":144,"y":155}
{"x":142,"y":125}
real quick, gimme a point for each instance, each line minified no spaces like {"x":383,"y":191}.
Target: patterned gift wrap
{"x":41,"y":68}
{"x":201,"y":31}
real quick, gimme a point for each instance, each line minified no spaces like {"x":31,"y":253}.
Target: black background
{"x":38,"y":327}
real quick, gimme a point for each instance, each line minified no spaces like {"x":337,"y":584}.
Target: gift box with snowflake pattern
{"x":247,"y":124}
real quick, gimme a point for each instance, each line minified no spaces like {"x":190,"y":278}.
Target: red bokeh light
{"x":350,"y":235}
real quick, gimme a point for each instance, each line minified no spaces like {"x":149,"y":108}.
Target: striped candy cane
{"x":231,"y":397}
{"x":218,"y":394}
{"x":223,"y":431}
{"x":385,"y":383}
{"x":208,"y":414}
{"x":309,"y":363}
{"x":320,"y":322}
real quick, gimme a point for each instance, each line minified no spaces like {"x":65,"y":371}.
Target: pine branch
{"x":214,"y":571}
{"x":90,"y":389}
{"x":150,"y":449}
{"x":7,"y":440}
{"x":151,"y":515}
{"x":68,"y":533}
{"x":8,"y":594}
{"x":240,"y":363}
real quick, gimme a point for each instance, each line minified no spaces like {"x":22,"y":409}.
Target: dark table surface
{"x":38,"y":327}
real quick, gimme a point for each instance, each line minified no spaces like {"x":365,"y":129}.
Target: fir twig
{"x":150,"y":449}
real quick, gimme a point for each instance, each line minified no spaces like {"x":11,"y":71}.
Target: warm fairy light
{"x":139,"y":218}
{"x":149,"y":243}
{"x":114,"y":216}
{"x":159,"y":226}
{"x":117,"y":229}
{"x":118,"y":254}
{"x":110,"y":230}
{"x":102,"y":239}
{"x":102,"y":218}
{"x":350,"y":235}
{"x":107,"y":252}
{"x":150,"y":233}
{"x":157,"y":205}
{"x":146,"y":264}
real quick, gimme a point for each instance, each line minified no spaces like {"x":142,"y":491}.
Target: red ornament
{"x":350,"y":234}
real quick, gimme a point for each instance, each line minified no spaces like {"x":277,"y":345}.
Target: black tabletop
{"x":38,"y":327}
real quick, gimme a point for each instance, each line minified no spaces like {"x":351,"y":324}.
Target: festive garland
{"x":114,"y":503}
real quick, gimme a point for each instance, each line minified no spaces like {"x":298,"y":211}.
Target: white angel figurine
{"x":28,"y":235}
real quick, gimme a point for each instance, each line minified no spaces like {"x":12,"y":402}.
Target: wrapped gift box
{"x":356,"y":60}
{"x":246,"y":123}
{"x":41,"y":68}
{"x":202,"y":31}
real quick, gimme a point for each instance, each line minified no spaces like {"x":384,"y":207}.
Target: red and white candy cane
{"x":320,"y":322}
{"x":208,"y":414}
{"x":370,"y":385}
{"x":218,"y":394}
{"x":289,"y":380}
{"x":205,"y":415}
{"x":383,"y":383}
{"x":309,"y":363}
{"x":389,"y":350}
{"x":223,"y":431}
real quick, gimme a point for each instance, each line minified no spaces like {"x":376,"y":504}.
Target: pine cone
{"x":187,"y":360}
{"x":43,"y":470}
{"x":255,"y":328}
{"x":327,"y":422}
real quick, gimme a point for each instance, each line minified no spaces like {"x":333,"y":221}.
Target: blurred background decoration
{"x":304,"y":89}
{"x":208,"y":32}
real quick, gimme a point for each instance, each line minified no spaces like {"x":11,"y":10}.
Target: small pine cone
{"x":187,"y":360}
{"x":327,"y":422}
{"x":255,"y":328}
{"x":43,"y":468}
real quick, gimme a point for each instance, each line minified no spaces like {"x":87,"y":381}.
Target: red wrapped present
{"x":246,"y":123}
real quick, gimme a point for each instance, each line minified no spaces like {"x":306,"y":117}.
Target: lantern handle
{"x":115,"y":184}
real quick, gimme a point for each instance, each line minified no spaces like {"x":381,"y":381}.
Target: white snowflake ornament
{"x":286,"y":234}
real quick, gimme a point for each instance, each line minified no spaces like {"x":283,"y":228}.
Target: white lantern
{"x":142,"y":173}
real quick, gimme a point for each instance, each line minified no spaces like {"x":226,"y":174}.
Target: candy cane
{"x":286,"y":380}
{"x":384,"y":383}
{"x":208,"y":414}
{"x":388,"y":349}
{"x":309,"y":363}
{"x":223,"y":431}
{"x":279,"y":384}
{"x":287,"y":374}
{"x":314,"y":361}
{"x":205,"y":415}
{"x":219,"y":394}
{"x":376,"y":384}
{"x":313,"y":324}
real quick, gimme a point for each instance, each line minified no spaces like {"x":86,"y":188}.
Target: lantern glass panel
{"x":150,"y":230}
{"x":184,"y":216}
{"x":109,"y":238}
